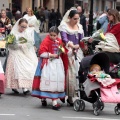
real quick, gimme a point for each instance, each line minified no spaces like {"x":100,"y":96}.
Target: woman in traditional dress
{"x":22,"y":59}
{"x":71,"y":33}
{"x":32,"y":20}
{"x":49,"y":81}
{"x":33,"y":25}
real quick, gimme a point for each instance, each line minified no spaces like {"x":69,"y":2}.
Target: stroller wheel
{"x":3,"y":53}
{"x":96,"y":111}
{"x":117,"y":110}
{"x":79,"y":105}
{"x":99,"y":105}
{"x":102,"y":106}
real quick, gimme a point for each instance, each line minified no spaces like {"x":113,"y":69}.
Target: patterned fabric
{"x":73,"y":67}
{"x":11,"y":82}
{"x":22,"y":60}
{"x":101,"y":77}
{"x":74,"y":36}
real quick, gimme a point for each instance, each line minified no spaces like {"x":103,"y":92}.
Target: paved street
{"x":21,"y":107}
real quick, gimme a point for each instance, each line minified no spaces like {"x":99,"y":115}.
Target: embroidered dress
{"x":22,"y":61}
{"x":74,"y":36}
{"x":49,"y":80}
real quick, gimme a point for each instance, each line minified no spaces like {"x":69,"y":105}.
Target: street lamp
{"x":40,"y":3}
{"x":58,"y":4}
{"x":115,"y":4}
{"x":90,"y":26}
{"x":33,"y":4}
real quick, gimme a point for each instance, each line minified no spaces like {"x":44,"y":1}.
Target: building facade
{"x":62,"y":5}
{"x":99,"y":5}
{"x":118,"y":5}
{"x":4,"y":4}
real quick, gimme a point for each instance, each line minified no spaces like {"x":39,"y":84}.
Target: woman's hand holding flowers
{"x":70,"y":44}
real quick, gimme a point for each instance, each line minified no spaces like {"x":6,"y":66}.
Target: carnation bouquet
{"x":60,"y":51}
{"x":11,"y":39}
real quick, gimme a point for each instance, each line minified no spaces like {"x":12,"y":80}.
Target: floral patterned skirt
{"x":11,"y":82}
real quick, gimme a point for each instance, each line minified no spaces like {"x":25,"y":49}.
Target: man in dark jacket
{"x":52,"y":18}
{"x":82,"y":19}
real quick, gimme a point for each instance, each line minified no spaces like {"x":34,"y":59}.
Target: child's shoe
{"x":56,"y":107}
{"x":44,"y":102}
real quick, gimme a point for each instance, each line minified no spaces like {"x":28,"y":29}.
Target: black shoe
{"x":63,"y":100}
{"x":15,"y":91}
{"x":44,"y":102}
{"x":56,"y":107}
{"x":26,"y":92}
{"x":70,"y":103}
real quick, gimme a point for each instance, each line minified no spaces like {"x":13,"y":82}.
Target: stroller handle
{"x":117,"y":66}
{"x":75,"y":54}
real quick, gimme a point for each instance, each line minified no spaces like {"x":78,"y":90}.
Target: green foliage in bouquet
{"x":22,"y":40}
{"x":10,"y":39}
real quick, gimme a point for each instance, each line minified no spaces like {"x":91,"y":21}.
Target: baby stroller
{"x":90,"y":91}
{"x":3,"y":33}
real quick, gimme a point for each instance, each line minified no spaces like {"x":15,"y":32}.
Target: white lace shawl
{"x":65,"y":28}
{"x":24,"y":58}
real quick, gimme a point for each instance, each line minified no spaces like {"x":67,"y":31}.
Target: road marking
{"x":87,"y":118}
{"x":7,"y":114}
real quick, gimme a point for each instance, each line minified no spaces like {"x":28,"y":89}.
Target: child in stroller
{"x":96,"y":74}
{"x":89,"y":90}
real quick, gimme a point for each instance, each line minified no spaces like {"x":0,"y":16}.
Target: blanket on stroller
{"x":2,"y":79}
{"x":104,"y":79}
{"x":89,"y":86}
{"x":111,"y":94}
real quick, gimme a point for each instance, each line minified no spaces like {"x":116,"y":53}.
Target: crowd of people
{"x":53,"y":73}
